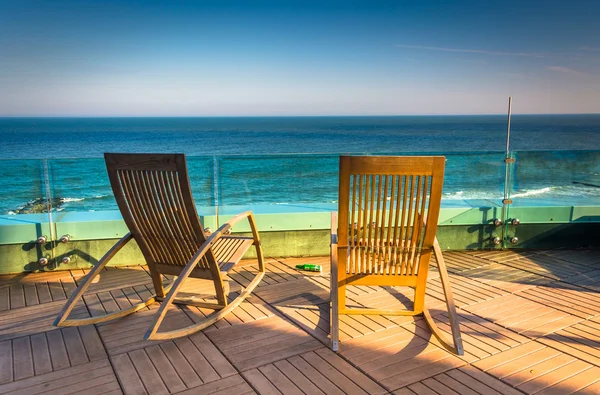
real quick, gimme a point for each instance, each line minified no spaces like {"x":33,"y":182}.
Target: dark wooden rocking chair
{"x":154,"y":196}
{"x":388,"y":213}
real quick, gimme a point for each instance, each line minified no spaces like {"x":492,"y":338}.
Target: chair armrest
{"x":229,"y":224}
{"x":334,"y":230}
{"x":247,"y":214}
{"x":334,"y":297}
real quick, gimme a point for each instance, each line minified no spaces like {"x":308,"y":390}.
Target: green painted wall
{"x":16,"y":258}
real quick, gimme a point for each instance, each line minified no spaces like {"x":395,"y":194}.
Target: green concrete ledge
{"x":289,"y":230}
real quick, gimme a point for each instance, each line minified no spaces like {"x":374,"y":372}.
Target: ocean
{"x":292,"y":160}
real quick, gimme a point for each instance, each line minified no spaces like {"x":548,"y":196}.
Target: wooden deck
{"x":530,"y":323}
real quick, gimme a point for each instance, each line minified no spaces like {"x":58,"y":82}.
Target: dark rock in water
{"x":591,"y":181}
{"x":39,"y":205}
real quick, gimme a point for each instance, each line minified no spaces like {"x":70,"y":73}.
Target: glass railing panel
{"x":24,"y":214}
{"x":278,"y":179}
{"x":476,"y":177}
{"x":84,"y":207}
{"x":289,"y":179}
{"x":22,"y":186}
{"x":81,"y":184}
{"x":556,"y":178}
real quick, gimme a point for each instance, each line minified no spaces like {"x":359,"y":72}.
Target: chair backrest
{"x":388,"y":213}
{"x":154,"y":195}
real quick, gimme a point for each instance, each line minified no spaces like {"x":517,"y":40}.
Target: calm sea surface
{"x":242,"y":160}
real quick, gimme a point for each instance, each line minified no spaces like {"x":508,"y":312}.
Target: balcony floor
{"x":530,"y":323}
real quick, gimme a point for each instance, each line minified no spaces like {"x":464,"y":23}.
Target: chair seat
{"x":229,"y":250}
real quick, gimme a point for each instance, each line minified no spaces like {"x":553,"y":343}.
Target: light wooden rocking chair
{"x":388,"y":213}
{"x":154,"y":196}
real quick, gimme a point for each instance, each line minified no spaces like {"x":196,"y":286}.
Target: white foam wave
{"x":533,"y":192}
{"x":70,"y":199}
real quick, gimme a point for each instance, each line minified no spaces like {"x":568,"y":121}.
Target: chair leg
{"x":62,"y":320}
{"x":335,"y":311}
{"x":153,"y":333}
{"x":456,"y":345}
{"x":221,"y":291}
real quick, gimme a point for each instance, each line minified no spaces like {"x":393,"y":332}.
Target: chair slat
{"x":365,"y":226}
{"x":166,"y":236}
{"x":139,"y":226}
{"x":414,"y":235}
{"x":390,"y":247}
{"x":359,"y":225}
{"x":183,"y":243}
{"x":385,"y":229}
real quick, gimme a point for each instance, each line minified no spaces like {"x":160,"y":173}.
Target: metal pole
{"x":507,"y":179}
{"x":508,"y":129}
{"x":48,"y":193}
{"x":216,"y":189}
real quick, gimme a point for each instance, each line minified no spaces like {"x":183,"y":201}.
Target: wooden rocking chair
{"x":388,"y":213}
{"x":154,"y":196}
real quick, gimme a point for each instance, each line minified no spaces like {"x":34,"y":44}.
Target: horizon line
{"x":283,"y":116}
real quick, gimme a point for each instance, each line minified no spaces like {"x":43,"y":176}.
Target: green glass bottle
{"x":310,"y":268}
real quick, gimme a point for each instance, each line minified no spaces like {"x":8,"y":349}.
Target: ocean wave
{"x":74,"y":199}
{"x":547,"y":192}
{"x":533,"y":192}
{"x":471,"y":195}
{"x":69,"y":199}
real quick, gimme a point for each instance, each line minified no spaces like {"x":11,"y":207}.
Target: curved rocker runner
{"x":154,"y":196}
{"x":385,"y":235}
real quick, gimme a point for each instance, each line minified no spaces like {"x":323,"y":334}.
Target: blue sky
{"x":215,"y":58}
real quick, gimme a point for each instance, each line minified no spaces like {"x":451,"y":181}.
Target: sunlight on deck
{"x":530,"y":323}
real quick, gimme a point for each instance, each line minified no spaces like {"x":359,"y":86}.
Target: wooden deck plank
{"x":592,"y":389}
{"x":230,"y":385}
{"x":584,"y":257}
{"x":167,"y":373}
{"x":17,"y":296}
{"x":6,"y":362}
{"x":523,"y":316}
{"x":198,"y":362}
{"x":534,"y":367}
{"x":278,"y":340}
{"x":352,"y":373}
{"x":212,"y":354}
{"x":33,"y":319}
{"x":556,"y":378}
{"x":443,"y":385}
{"x":4,"y":298}
{"x":42,"y":362}
{"x":75,"y":347}
{"x":22,"y":358}
{"x":314,"y":376}
{"x":43,"y":292}
{"x":147,"y":372}
{"x":127,"y":375}
{"x":459,"y":376}
{"x":55,"y":381}
{"x":561,"y":296}
{"x":423,"y":366}
{"x":475,"y":379}
{"x":180,"y":364}
{"x":297,"y":377}
{"x":280,"y":381}
{"x":577,"y":340}
{"x":260,"y":382}
{"x":58,"y":350}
